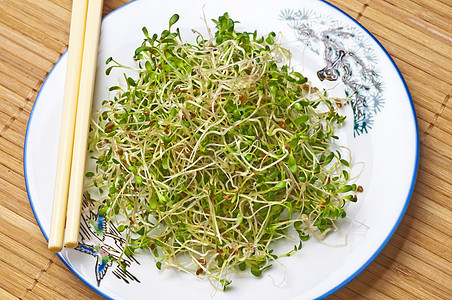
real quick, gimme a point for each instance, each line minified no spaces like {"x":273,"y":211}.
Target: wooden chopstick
{"x":74,"y":66}
{"x":82,"y":58}
{"x":92,"y":32}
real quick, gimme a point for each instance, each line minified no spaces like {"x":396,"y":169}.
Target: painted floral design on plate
{"x":347,"y":55}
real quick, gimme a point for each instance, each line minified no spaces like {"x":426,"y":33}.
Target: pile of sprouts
{"x":216,"y":150}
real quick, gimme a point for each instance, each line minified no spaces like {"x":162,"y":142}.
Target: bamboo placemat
{"x":415,"y":264}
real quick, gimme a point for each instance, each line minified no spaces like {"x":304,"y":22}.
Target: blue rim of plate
{"x":339,"y":286}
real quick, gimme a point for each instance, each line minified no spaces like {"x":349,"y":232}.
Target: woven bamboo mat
{"x":415,"y":264}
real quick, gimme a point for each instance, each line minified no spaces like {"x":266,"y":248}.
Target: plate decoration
{"x":103,"y":241}
{"x":347,"y":56}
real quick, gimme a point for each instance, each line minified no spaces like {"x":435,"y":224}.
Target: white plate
{"x":385,"y":140}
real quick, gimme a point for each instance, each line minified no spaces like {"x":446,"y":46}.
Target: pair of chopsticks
{"x":81,"y":68}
